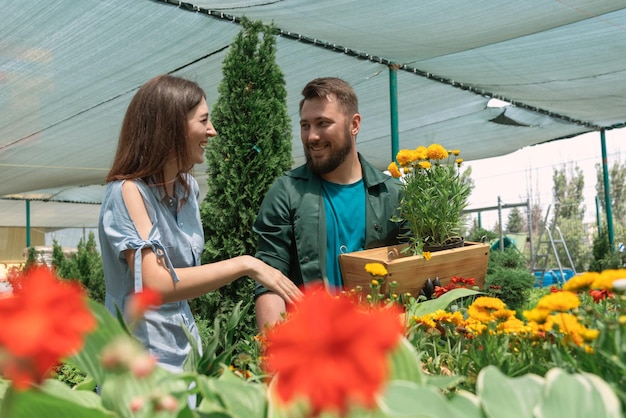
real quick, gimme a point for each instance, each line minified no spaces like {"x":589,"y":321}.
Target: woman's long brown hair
{"x":154,"y":130}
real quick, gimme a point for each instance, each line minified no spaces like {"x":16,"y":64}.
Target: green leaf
{"x":53,"y":399}
{"x":577,"y":396}
{"x":237,"y":397}
{"x":511,"y":397}
{"x":109,"y":327}
{"x":407,"y":399}
{"x":466,"y":404}
{"x":442,"y":302}
{"x":405,"y":364}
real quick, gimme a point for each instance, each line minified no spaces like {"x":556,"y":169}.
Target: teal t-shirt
{"x":345,"y":224}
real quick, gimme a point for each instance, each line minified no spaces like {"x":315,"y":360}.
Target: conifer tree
{"x":252,"y":148}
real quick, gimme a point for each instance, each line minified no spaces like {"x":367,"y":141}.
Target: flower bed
{"x":460,"y":354}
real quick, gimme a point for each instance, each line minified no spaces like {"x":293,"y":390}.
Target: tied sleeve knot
{"x":159,"y":250}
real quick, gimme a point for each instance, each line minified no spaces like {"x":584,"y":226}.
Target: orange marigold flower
{"x":376,"y":269}
{"x":421,"y":153}
{"x":436,"y":152}
{"x":44,"y":321}
{"x":581,"y":281}
{"x":332,"y":351}
{"x":560,"y":301}
{"x":394,"y":170}
{"x":607,"y":277}
{"x":141,"y":302}
{"x":485,"y":309}
{"x":405,"y":157}
{"x":426,"y":165}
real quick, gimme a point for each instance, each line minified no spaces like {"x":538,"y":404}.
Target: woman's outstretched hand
{"x":275,"y":281}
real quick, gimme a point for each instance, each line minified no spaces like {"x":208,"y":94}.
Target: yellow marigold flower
{"x":503,"y":314}
{"x":394,"y":170}
{"x":559,"y":301}
{"x":590,"y":334}
{"x":421,"y":153}
{"x":572,"y":330}
{"x":580,"y":282}
{"x":405,"y":157}
{"x":436,"y":152}
{"x":514,"y":325}
{"x":459,"y":161}
{"x":475,"y":327}
{"x":427,"y":255}
{"x":622,"y":320}
{"x":375,"y":282}
{"x":376,"y":269}
{"x":536,"y":315}
{"x":607,"y":277}
{"x":484,"y":307}
{"x":425,"y":320}
{"x":425,"y":165}
{"x":455,"y":152}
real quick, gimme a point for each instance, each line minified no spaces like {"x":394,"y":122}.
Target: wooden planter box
{"x":412,"y":272}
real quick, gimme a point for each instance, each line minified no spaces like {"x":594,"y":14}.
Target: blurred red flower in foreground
{"x":332,"y":351}
{"x":43,"y":321}
{"x":140,"y":302}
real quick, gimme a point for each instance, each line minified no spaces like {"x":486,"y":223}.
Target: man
{"x":336,"y":203}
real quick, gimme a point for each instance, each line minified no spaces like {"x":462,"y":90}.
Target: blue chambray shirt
{"x":177,"y":238}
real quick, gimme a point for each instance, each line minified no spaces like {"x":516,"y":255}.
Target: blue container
{"x":552,"y":277}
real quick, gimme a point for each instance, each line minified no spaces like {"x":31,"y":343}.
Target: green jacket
{"x":291,"y":224}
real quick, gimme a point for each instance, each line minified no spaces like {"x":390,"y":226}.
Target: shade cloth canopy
{"x":68,"y":70}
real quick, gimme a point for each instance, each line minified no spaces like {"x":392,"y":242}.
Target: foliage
{"x":568,"y":193}
{"x":569,"y":210}
{"x":252,"y":148}
{"x":475,"y":360}
{"x":434,"y":195}
{"x":479,"y":234}
{"x":511,"y":285}
{"x":604,"y":257}
{"x":515,"y":222}
{"x":508,"y":277}
{"x":85,"y":265}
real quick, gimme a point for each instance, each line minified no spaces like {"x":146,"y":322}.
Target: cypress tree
{"x":252,"y":148}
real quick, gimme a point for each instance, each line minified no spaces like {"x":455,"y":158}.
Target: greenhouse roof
{"x":68,"y":69}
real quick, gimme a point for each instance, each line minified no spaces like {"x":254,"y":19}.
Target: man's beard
{"x":335,"y":159}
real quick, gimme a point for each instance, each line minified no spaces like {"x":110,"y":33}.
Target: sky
{"x":528,"y":173}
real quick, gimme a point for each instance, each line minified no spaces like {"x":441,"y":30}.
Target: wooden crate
{"x":412,"y":272}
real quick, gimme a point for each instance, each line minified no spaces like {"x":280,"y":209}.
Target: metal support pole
{"x":393,"y":108}
{"x":529,"y":221}
{"x":607,"y":191}
{"x":27,"y":223}
{"x":500,"y":223}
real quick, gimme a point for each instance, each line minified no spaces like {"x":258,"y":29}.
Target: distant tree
{"x":568,"y":216}
{"x":85,"y":266}
{"x":252,"y":148}
{"x":568,"y":193}
{"x":515,"y":222}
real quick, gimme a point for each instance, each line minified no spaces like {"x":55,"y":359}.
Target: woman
{"x":150,"y":230}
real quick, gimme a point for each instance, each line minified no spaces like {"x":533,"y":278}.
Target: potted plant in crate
{"x":434,"y":197}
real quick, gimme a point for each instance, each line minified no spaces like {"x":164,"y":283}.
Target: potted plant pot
{"x":412,"y":271}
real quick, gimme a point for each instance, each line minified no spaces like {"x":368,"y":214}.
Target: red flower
{"x":332,"y":351}
{"x":43,"y":321}
{"x":455,"y":282}
{"x":599,"y":295}
{"x":140,"y":302}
